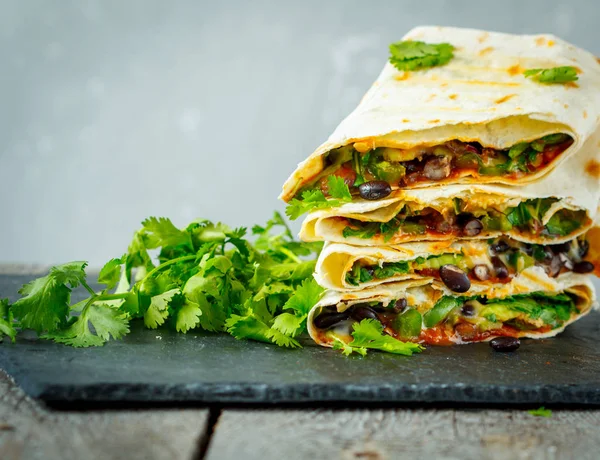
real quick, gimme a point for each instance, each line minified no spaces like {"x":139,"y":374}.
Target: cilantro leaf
{"x":158,"y":311}
{"x":346,"y":349}
{"x":338,"y":188}
{"x":305,"y":297}
{"x":416,"y":55}
{"x":562,"y":74}
{"x":106,"y":321}
{"x":313,"y":200}
{"x":45,"y":302}
{"x":111,"y":272}
{"x":369,"y":334}
{"x":289,"y":324}
{"x":541,"y":412}
{"x":6,"y":320}
{"x":161,"y":232}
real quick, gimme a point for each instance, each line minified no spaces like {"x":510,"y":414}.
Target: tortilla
{"x":424,"y":293}
{"x":573,"y":185}
{"x":481,"y":95}
{"x":336,"y":261}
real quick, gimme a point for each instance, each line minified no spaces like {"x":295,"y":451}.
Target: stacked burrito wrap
{"x":472,"y":191}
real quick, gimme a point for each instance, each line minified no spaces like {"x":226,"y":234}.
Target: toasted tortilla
{"x":336,"y":261}
{"x":480,"y":95}
{"x":576,"y":184}
{"x":424,"y":293}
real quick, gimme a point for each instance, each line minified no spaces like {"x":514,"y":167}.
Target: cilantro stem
{"x":166,"y":264}
{"x":290,"y":255}
{"x":122,"y":295}
{"x":88,"y":288}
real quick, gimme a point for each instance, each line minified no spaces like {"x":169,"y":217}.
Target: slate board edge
{"x":256,"y":393}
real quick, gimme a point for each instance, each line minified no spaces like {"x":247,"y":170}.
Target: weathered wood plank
{"x":29,"y":431}
{"x":405,"y":433}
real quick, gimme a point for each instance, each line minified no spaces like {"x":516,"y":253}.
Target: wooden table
{"x":28,"y":430}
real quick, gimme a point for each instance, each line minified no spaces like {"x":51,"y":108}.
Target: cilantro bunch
{"x":208,"y":276}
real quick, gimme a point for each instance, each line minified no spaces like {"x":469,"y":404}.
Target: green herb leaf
{"x":45,"y":302}
{"x":541,"y":412}
{"x":305,"y":297}
{"x":562,"y":74}
{"x":338,"y":188}
{"x":415,"y":55}
{"x":107,"y":322}
{"x":110,"y":274}
{"x":6,"y":321}
{"x":346,"y":349}
{"x":369,"y":334}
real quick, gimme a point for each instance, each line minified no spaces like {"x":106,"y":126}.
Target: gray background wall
{"x":115,"y":110}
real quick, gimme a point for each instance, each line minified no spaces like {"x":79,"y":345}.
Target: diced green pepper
{"x":385,"y":170}
{"x":496,"y":221}
{"x":538,"y":145}
{"x":496,"y":170}
{"x":413,"y":228}
{"x":468,"y":161}
{"x":409,"y":324}
{"x":555,"y":138}
{"x":517,"y":149}
{"x":441,"y":310}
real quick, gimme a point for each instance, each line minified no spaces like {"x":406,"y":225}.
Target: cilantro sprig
{"x":562,"y":74}
{"x":541,"y":412}
{"x":369,"y":334}
{"x":207,"y":276}
{"x":417,"y":55}
{"x":312,"y":200}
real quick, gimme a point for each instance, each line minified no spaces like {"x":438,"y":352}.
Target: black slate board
{"x":158,"y":366}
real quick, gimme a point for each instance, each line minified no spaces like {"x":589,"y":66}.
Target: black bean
{"x":481,"y":272}
{"x":558,"y":248}
{"x":437,"y":168}
{"x":400,"y":305}
{"x":374,"y":190}
{"x":327,"y":320}
{"x":499,"y":268}
{"x":584,"y":247}
{"x":468,"y":309}
{"x":527,"y":249}
{"x":583,"y":267}
{"x":473,"y":227}
{"x":454,"y":278}
{"x":499,"y":247}
{"x":505,"y":343}
{"x":362,"y":312}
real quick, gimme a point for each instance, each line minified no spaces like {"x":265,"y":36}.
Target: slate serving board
{"x":158,"y":366}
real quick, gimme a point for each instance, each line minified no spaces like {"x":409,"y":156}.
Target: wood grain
{"x":405,"y":433}
{"x":29,"y":431}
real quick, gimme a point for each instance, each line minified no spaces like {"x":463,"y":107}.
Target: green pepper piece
{"x":441,"y":310}
{"x":409,"y":324}
{"x":517,"y":149}
{"x":357,"y":166}
{"x":413,"y":228}
{"x":497,"y":221}
{"x":520,"y":261}
{"x":468,"y":161}
{"x":496,"y":170}
{"x":538,"y":145}
{"x":555,"y":138}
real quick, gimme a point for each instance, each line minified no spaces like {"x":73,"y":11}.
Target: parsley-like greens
{"x":416,"y":55}
{"x":313,"y":200}
{"x":369,"y":334}
{"x":208,"y":276}
{"x":541,"y":412}
{"x":562,"y":74}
